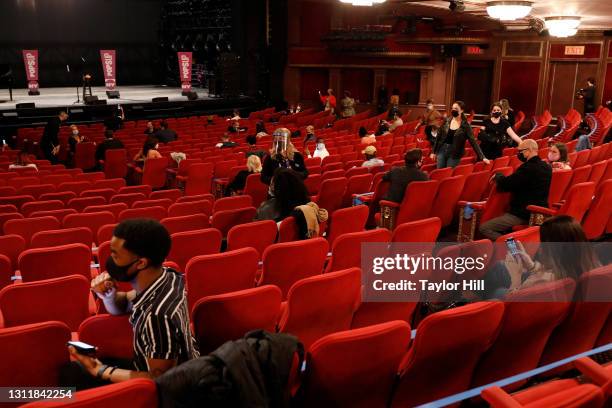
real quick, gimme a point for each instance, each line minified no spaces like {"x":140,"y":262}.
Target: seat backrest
{"x":59,"y":214}
{"x":597,"y":171}
{"x":431,"y":370}
{"x":84,"y":158}
{"x":587,"y":316}
{"x":279,"y":266}
{"x":345,"y":220}
{"x":142,"y":189}
{"x":186,"y":223}
{"x":580,"y":175}
{"x":594,"y":223}
{"x":171,"y":194}
{"x":579,"y":198}
{"x":92,"y":220}
{"x":37,"y":190}
{"x":331,"y":193}
{"x":530,"y":315}
{"x":463,"y":170}
{"x":75,"y":186}
{"x":115,"y":208}
{"x":229,"y":316}
{"x":337,"y":297}
{"x":33,"y":206}
{"x":63,"y":196}
{"x":425,"y":230}
{"x":225,"y":220}
{"x":95,"y":329}
{"x":190,"y":208}
{"x":208,"y":275}
{"x":154,"y":172}
{"x":447,"y":196}
{"x":162,"y":202}
{"x":441,"y":174}
{"x":529,"y":237}
{"x":127,"y":198}
{"x":38,"y":349}
{"x":155,"y":213}
{"x":232,"y":203}
{"x":558,"y":184}
{"x":339,"y":373}
{"x":115,"y":163}
{"x":11,"y":246}
{"x":417,"y":201}
{"x":256,"y":189}
{"x":199,"y":179}
{"x":258,"y":235}
{"x":356,"y":185}
{"x":105,"y":233}
{"x":189,"y":244}
{"x":35,"y":302}
{"x":71,"y":259}
{"x":81,"y":235}
{"x":112,"y":183}
{"x":346,"y":250}
{"x":81,"y":203}
{"x":27,"y":227}
{"x":497,"y":204}
{"x":107,"y":193}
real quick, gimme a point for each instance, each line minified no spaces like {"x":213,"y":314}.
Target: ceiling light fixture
{"x":362,"y":2}
{"x":562,"y":26}
{"x":508,"y":10}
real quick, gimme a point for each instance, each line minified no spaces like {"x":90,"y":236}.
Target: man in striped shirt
{"x":157,"y":303}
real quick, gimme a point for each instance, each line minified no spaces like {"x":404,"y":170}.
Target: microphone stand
{"x":77,"y":87}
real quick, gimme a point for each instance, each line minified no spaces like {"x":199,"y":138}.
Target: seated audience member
{"x":164,"y":134}
{"x":237,"y":184}
{"x":394,"y":120}
{"x":558,"y":157}
{"x":74,"y":139}
{"x":157,"y":305}
{"x":282,"y":155}
{"x":235,"y":115}
{"x":226,"y":142}
{"x":564,"y":252}
{"x":431,"y":119}
{"x":115,"y":121}
{"x":328,"y":101}
{"x":400,"y":177}
{"x":370,"y":158}
{"x":148,"y":151}
{"x":286,"y":191}
{"x":260,"y":129}
{"x":496,"y":134}
{"x":109,"y":143}
{"x":320,"y":150}
{"x":310,"y":134}
{"x":234,"y":127}
{"x":449,"y":146}
{"x":507,"y":112}
{"x":529,"y":185}
{"x":365,"y":138}
{"x":150,"y":130}
{"x":253,"y":149}
{"x":23,"y":161}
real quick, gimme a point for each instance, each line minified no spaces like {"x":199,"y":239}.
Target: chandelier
{"x":563,"y":26}
{"x":508,"y":10}
{"x":362,"y":2}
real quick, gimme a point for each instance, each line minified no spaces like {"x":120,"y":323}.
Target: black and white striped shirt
{"x":160,"y":319}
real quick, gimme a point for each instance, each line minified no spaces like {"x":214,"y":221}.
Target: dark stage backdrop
{"x":65,"y":30}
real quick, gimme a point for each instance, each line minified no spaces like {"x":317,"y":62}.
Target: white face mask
{"x":320,"y":146}
{"x":156,"y":146}
{"x":430,"y":107}
{"x":75,"y":132}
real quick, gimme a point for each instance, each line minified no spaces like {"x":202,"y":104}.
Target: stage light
{"x":562,"y":26}
{"x":508,"y":10}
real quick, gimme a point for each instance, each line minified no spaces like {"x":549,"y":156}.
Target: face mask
{"x":271,"y":191}
{"x":320,"y":146}
{"x":156,"y":146}
{"x":120,"y":273}
{"x":553,"y":157}
{"x":521,"y":157}
{"x":455,"y":113}
{"x":496,"y":114}
{"x":75,"y":132}
{"x":430,"y":107}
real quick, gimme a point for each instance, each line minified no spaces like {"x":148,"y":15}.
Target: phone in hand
{"x":83,"y":348}
{"x":512,"y":247}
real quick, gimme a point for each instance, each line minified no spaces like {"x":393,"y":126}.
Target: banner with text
{"x":185,"y":59}
{"x":109,"y":66}
{"x":30,"y":59}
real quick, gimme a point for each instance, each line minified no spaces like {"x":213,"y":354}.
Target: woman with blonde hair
{"x":238,"y":183}
{"x":283,"y":154}
{"x":507,"y":111}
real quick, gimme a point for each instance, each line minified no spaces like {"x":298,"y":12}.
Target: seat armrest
{"x":541,"y":210}
{"x":386,"y":203}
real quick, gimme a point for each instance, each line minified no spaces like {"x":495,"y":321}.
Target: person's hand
{"x":432,"y":157}
{"x":103,"y":286}
{"x":523,"y":258}
{"x":55,"y":150}
{"x":91,"y":364}
{"x":486,"y":161}
{"x":482,"y":128}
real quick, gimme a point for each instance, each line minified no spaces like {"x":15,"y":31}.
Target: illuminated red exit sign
{"x":473,"y":50}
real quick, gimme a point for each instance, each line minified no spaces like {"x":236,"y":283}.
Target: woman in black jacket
{"x":496,"y":133}
{"x":449,"y":146}
{"x":282,"y":155}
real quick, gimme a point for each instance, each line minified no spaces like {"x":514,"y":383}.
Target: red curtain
{"x":359,"y":82}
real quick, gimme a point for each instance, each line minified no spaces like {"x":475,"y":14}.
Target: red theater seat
{"x":280,"y":265}
{"x":346,"y":250}
{"x":64,"y":299}
{"x":63,"y":260}
{"x":186,"y":223}
{"x":225,"y":220}
{"x":415,"y":206}
{"x":65,"y":236}
{"x":95,"y":330}
{"x":27,"y":227}
{"x":127,"y":198}
{"x":338,"y":373}
{"x":232,"y":203}
{"x":81,"y":203}
{"x":258,"y":235}
{"x":214,"y":274}
{"x":113,"y":208}
{"x":345,"y":220}
{"x":155,"y":213}
{"x":229,"y":316}
{"x":11,"y":246}
{"x":92,"y":220}
{"x":189,"y":244}
{"x":321,"y":305}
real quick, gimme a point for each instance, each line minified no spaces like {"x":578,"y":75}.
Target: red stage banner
{"x":109,"y":66}
{"x":185,"y":59}
{"x":30,"y":59}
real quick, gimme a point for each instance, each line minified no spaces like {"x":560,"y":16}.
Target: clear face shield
{"x":280,"y":140}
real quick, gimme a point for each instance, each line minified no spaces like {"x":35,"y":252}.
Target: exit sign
{"x":574,"y":50}
{"x":474,"y":50}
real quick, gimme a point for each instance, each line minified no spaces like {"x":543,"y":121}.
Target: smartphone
{"x":512,"y":247}
{"x":83,"y":348}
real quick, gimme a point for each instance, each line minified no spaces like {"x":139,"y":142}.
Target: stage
{"x":67,"y":97}
{"x":137,"y":103}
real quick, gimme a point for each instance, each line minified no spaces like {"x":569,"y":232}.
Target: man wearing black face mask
{"x":157,"y":304}
{"x":529,"y":185}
